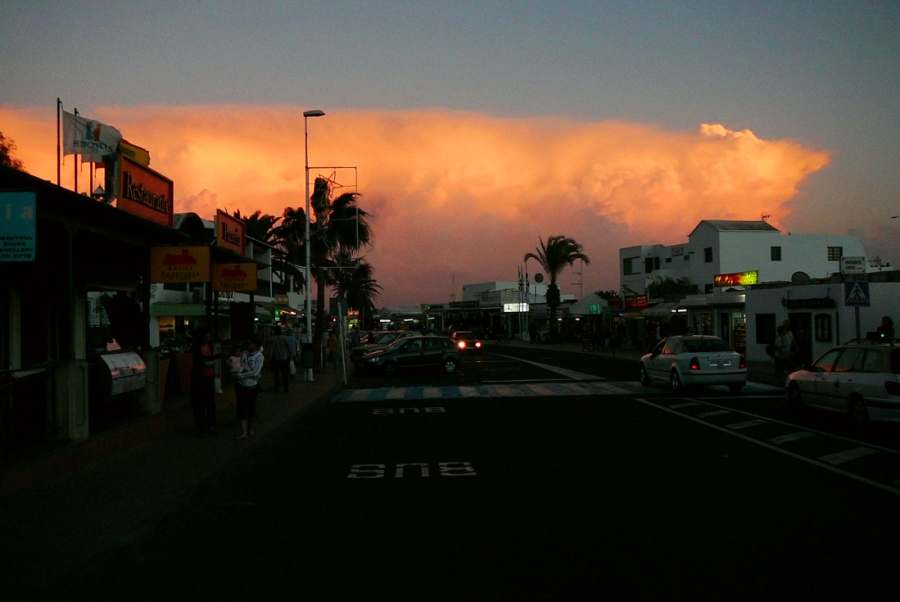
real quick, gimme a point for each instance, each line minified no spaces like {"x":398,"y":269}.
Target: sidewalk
{"x":61,"y":509}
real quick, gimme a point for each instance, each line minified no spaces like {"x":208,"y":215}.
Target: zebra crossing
{"x":494,"y":390}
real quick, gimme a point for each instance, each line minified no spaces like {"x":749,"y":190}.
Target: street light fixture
{"x":309,"y":332}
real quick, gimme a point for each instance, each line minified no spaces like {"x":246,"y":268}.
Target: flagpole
{"x":58,"y":157}
{"x":76,"y":163}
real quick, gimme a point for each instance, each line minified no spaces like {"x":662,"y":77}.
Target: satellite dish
{"x":799,"y":278}
{"x":538,"y":278}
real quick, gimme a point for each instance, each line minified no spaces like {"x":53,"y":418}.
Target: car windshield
{"x":466,"y":336}
{"x":388,"y":338}
{"x":706,"y":345}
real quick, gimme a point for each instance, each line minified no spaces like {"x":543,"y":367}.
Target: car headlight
{"x":374,"y":360}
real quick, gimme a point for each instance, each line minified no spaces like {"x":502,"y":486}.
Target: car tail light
{"x":892,"y":387}
{"x":461,"y":344}
{"x":695,"y":364}
{"x":478,"y":343}
{"x":743,"y":362}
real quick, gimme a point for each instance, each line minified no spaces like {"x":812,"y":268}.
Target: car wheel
{"x":675,"y":381}
{"x":644,"y":377}
{"x":859,"y":413}
{"x":735,"y":388}
{"x":450,"y":366}
{"x":390,"y":368}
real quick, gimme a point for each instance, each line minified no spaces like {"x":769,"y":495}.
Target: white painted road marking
{"x":791,"y":437}
{"x":830,"y":467}
{"x":747,"y":424}
{"x":713,"y":413}
{"x":678,"y":406}
{"x":846,"y":456}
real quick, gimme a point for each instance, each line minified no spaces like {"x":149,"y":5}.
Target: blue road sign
{"x":856,"y":294}
{"x":18,"y":226}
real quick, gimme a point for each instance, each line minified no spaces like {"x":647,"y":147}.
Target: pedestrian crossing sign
{"x":856,"y":294}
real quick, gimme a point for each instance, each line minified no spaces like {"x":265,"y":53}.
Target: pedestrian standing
{"x":280,"y":356}
{"x":782,"y":355}
{"x":247,"y":386}
{"x":203,"y":385}
{"x":334,"y":347}
{"x":294,"y":344}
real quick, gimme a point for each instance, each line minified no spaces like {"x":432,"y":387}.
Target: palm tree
{"x":260,"y":226}
{"x":340,"y":229}
{"x":359,"y":288}
{"x":264,"y":227}
{"x":554,"y":257}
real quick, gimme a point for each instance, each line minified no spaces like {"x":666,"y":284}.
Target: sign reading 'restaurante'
{"x":179,"y":264}
{"x":144,"y":192}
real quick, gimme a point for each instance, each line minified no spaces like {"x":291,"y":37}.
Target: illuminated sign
{"x":636,"y":301}
{"x":144,"y":192}
{"x":233,"y":277}
{"x":737,"y":279}
{"x":515,"y":308}
{"x":179,"y":264}
{"x":18,"y":226}
{"x":231,"y":233}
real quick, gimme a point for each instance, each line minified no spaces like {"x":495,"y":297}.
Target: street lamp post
{"x":309,"y":332}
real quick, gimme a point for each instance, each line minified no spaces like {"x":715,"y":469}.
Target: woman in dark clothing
{"x":203,"y":384}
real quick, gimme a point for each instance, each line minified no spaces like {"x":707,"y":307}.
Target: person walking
{"x":246,"y":387}
{"x":334,"y":347}
{"x":203,"y":385}
{"x":279,"y":354}
{"x":306,"y":349}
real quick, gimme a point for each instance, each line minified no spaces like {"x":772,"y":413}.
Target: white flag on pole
{"x":90,"y":139}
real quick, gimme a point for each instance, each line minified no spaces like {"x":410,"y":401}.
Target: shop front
{"x":87,"y":257}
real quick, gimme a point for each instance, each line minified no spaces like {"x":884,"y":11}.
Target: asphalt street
{"x":539,"y":477}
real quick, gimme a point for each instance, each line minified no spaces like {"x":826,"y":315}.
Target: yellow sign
{"x":737,"y":279}
{"x":234,"y":277}
{"x":179,"y":264}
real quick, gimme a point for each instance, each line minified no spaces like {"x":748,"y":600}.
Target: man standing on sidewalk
{"x":279,"y":352}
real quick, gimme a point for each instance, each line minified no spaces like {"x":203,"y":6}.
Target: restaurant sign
{"x":144,"y":192}
{"x":636,"y":301}
{"x":230,"y":232}
{"x":179,"y":264}
{"x":737,"y":279}
{"x":234,"y":277}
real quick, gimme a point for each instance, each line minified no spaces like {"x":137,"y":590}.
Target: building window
{"x":668,"y":260}
{"x":776,"y":253}
{"x":765,"y":329}
{"x":648,"y":265}
{"x":707,"y":254}
{"x":628,"y":267}
{"x":708,"y":288}
{"x":823,"y":328}
{"x":835,"y":253}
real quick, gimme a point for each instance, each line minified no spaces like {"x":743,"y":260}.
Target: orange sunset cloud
{"x":457,"y":196}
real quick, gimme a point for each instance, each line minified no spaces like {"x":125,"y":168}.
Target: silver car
{"x":860,"y":379}
{"x":683,"y":361}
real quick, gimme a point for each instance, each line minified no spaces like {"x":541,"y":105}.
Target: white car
{"x":683,"y":361}
{"x":860,"y":378}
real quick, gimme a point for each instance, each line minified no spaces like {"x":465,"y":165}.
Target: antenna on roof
{"x":765,"y":216}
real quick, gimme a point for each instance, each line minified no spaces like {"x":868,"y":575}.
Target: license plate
{"x":719,"y":363}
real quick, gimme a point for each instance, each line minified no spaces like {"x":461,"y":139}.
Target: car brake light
{"x":695,"y":364}
{"x":478,"y":343}
{"x":743,"y":362}
{"x":461,"y":344}
{"x":892,"y":387}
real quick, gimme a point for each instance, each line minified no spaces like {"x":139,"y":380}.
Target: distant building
{"x":719,"y":248}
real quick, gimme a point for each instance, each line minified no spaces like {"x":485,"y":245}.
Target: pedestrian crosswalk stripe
{"x":486,"y":391}
{"x":850,"y":454}
{"x":790,"y":437}
{"x":713,"y":413}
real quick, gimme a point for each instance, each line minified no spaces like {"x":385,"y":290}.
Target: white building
{"x":718,"y":247}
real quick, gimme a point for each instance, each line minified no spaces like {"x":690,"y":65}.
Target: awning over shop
{"x":661,"y":310}
{"x":178,"y":309}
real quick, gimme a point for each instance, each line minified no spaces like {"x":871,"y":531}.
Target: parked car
{"x":382,"y":340}
{"x":466,"y":341}
{"x":859,"y":378}
{"x":414,"y":352}
{"x":683,"y":361}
